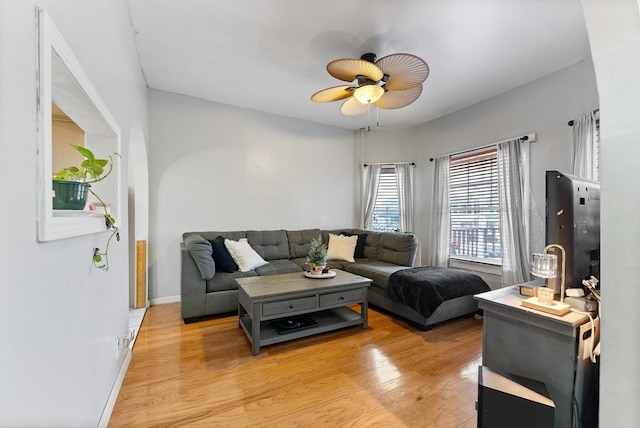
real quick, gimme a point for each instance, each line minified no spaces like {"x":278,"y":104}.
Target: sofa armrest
{"x":193,"y":288}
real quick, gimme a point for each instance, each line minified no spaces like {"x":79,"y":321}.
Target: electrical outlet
{"x":124,"y":341}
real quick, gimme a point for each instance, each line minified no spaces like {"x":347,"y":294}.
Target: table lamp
{"x":545,"y":265}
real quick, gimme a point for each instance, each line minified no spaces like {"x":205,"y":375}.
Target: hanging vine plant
{"x":91,"y":170}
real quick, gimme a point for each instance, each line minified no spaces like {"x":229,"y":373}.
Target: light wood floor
{"x":390,"y":375}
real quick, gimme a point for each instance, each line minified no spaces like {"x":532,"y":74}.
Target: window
{"x":475,"y":207}
{"x":386,"y":212}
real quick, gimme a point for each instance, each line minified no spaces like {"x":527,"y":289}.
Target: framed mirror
{"x":70,"y":112}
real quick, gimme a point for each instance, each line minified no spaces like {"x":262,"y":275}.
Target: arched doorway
{"x":138,"y":195}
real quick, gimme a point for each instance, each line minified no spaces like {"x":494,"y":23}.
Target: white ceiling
{"x":270,"y":55}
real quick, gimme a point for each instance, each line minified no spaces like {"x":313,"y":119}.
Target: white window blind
{"x":475,"y":205}
{"x":386,"y":212}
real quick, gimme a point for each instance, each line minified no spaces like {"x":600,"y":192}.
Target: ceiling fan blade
{"x":404,"y":70}
{"x":332,"y":94}
{"x":397,"y":99}
{"x":349,"y":69}
{"x":353,"y":107}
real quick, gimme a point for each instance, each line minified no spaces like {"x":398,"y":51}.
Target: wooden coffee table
{"x":267,"y":299}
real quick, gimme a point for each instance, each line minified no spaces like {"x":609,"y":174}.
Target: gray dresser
{"x":541,"y":347}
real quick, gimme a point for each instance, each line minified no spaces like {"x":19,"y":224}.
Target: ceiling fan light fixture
{"x":368,"y":94}
{"x":392,"y":82}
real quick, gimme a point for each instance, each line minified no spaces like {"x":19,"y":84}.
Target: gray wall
{"x":254,"y":167}
{"x":543,"y":106}
{"x":217,"y":167}
{"x":59,"y":317}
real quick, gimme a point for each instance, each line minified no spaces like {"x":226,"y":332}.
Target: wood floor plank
{"x":391,"y":374}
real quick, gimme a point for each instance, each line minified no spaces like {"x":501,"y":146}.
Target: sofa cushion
{"x":371,"y":245}
{"x":226,"y":281}
{"x":331,"y":264}
{"x":338,"y":264}
{"x":269,"y":244}
{"x":379,"y":272}
{"x":397,"y":248}
{"x":245,"y":257}
{"x":362,"y":240}
{"x":202,"y":253}
{"x":341,"y":247}
{"x":221,"y":256}
{"x":278,"y":266}
{"x":300,"y":241}
{"x":301,"y":262}
{"x":210,"y":236}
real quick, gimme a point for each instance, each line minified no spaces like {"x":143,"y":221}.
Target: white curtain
{"x":514,"y":210}
{"x":404,"y":178}
{"x":371,"y":181}
{"x":583,"y":147}
{"x":439,"y":228}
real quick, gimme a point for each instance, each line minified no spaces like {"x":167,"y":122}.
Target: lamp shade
{"x":544,"y":265}
{"x":368,"y":94}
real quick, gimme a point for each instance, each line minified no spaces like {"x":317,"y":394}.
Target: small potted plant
{"x":317,"y":257}
{"x":72,"y":184}
{"x":71,"y":187}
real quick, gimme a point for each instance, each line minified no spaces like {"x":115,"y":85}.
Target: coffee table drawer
{"x":342,"y":297}
{"x":289,"y":306}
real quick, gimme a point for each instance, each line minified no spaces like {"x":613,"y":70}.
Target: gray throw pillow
{"x":202,"y":253}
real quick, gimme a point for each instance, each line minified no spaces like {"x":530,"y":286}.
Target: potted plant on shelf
{"x":317,"y":257}
{"x":71,"y":187}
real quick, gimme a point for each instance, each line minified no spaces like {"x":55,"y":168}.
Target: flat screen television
{"x":573,"y":221}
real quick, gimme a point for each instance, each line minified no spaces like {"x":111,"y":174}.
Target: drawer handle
{"x":290,"y":306}
{"x":341,"y":297}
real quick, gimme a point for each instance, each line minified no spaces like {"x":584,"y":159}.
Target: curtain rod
{"x":571,"y":122}
{"x":387,"y":163}
{"x":528,"y":137}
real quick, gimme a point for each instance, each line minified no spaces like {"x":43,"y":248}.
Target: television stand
{"x":543,"y":347}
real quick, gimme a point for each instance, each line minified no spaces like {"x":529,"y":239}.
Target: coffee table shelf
{"x":263,"y":300}
{"x":328,"y":320}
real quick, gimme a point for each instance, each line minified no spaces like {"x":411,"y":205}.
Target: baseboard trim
{"x":163,"y":300}
{"x":115,"y":390}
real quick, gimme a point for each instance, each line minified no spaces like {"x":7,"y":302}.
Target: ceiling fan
{"x":392,"y":82}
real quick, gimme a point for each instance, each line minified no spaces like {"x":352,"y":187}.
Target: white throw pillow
{"x":245,"y":257}
{"x":342,"y":247}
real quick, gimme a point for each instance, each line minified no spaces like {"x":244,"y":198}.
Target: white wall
{"x":59,"y":317}
{"x":217,"y":167}
{"x":543,"y":106}
{"x":614,"y":36}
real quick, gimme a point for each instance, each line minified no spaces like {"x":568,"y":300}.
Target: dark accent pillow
{"x":362,"y":240}
{"x":221,"y":256}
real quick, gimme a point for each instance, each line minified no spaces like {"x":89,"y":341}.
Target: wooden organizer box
{"x":555,"y":308}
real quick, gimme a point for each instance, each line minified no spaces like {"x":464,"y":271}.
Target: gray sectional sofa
{"x":286,"y":251}
{"x":206,"y":290}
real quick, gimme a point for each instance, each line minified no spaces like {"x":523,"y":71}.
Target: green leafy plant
{"x":317,"y":252}
{"x":101,"y":258}
{"x":93,"y":170}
